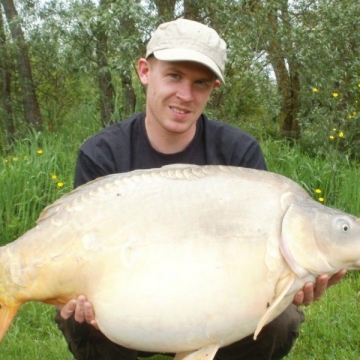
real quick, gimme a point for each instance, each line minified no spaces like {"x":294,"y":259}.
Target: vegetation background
{"x":292,"y":81}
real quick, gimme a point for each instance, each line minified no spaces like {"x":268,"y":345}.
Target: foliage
{"x":316,"y":40}
{"x":34,"y":173}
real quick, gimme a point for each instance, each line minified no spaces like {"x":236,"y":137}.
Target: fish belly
{"x":181,"y":295}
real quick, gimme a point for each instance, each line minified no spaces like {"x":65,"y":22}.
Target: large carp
{"x":182,"y":259}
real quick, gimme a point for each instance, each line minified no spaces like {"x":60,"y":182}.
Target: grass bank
{"x":38,"y":170}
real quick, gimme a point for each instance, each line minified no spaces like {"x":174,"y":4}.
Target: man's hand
{"x":313,"y":292}
{"x":82,"y":310}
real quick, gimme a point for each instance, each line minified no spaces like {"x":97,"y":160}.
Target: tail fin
{"x":7,"y":313}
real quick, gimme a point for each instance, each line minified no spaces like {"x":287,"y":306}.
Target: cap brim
{"x":189,"y":55}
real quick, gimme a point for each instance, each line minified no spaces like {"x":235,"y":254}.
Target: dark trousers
{"x":274,"y":341}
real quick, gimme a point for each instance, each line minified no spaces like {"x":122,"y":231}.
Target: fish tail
{"x":7,"y":313}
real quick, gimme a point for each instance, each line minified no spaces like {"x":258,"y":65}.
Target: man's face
{"x":177,"y":93}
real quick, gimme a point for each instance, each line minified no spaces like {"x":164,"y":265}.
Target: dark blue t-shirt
{"x":125,"y":146}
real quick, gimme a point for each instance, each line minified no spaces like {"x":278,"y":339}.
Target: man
{"x":184,"y":63}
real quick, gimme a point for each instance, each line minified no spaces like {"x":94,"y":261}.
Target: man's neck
{"x":167,"y":142}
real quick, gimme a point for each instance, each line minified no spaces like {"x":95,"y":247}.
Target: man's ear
{"x":217,"y":83}
{"x":143,"y":71}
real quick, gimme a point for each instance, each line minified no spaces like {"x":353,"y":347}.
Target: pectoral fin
{"x":7,"y":313}
{"x":205,"y":353}
{"x":282,"y":290}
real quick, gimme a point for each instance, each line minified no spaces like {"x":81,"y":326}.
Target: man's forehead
{"x":188,"y":66}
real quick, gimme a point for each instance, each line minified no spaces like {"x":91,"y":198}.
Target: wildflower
{"x":60,"y":184}
{"x":334,"y":129}
{"x":321,"y":199}
{"x":40,"y":151}
{"x":15,"y":158}
{"x":314,"y":89}
{"x":332,"y":137}
{"x":53,"y":176}
{"x":335,"y":94}
{"x":359,"y":85}
{"x":318,"y":191}
{"x":354,"y":113}
{"x":341,"y":134}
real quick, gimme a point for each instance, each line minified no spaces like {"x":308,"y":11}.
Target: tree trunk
{"x":31,"y":106}
{"x":107,"y":92}
{"x":191,"y":10}
{"x":129,"y":95}
{"x":6,"y":82}
{"x":286,"y":71}
{"x":165,"y":9}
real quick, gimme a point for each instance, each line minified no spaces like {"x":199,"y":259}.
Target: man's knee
{"x":284,"y":330}
{"x":87,"y":343}
{"x":274,"y":341}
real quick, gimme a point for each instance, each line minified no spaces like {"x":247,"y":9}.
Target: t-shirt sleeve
{"x":86,"y":170}
{"x":252,"y":157}
{"x":227,"y":145}
{"x":105,"y":153}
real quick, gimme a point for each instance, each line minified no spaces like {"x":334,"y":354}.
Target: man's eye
{"x":203,"y":83}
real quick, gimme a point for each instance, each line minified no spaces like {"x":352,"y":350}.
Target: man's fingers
{"x":320,"y":286}
{"x":79,"y":310}
{"x":336,"y":277}
{"x":88,"y":312}
{"x":82,"y":310}
{"x":90,"y":315}
{"x":299,"y":298}
{"x":68,"y":309}
{"x":308,"y":294}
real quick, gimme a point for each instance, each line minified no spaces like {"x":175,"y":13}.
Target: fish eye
{"x":343,"y":225}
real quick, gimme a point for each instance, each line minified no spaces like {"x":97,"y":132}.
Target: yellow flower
{"x":349,"y":117}
{"x":318,"y":191}
{"x":341,"y":134}
{"x":6,"y":160}
{"x":335,"y":94}
{"x":331,"y":137}
{"x":40,"y":151}
{"x":60,"y":184}
{"x":359,"y":85}
{"x":53,"y":176}
{"x":354,"y":112}
{"x":314,"y":89}
{"x":321,"y":199}
{"x":334,"y":129}
{"x":15,"y":158}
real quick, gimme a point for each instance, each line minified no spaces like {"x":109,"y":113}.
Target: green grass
{"x":34,"y":336}
{"x":331,"y":329}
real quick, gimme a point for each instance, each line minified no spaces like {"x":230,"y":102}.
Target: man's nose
{"x":185,"y":91}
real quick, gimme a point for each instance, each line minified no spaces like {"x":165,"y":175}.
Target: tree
{"x":107,"y":91}
{"x":6,"y":82}
{"x":31,"y":106}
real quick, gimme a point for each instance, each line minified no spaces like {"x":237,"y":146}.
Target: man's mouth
{"x":178,"y":111}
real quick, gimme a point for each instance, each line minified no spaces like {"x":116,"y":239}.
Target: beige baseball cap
{"x":187,"y":40}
